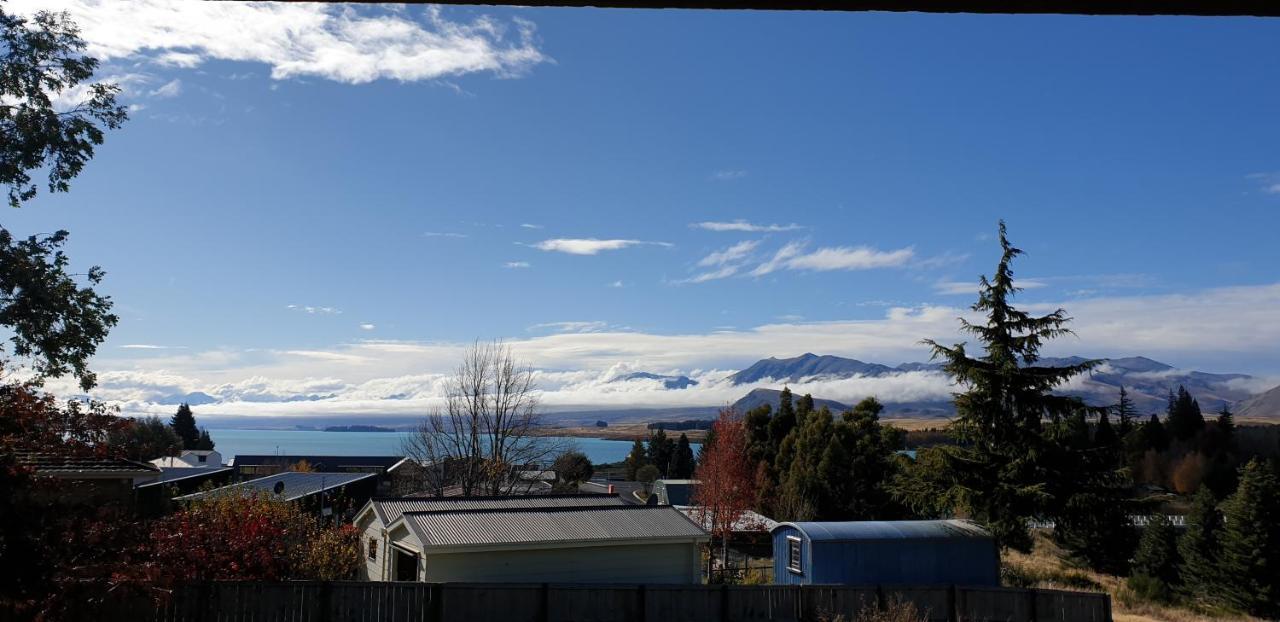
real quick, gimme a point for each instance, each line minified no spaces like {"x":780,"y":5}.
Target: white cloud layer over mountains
{"x":334,"y":42}
{"x":1221,"y":329}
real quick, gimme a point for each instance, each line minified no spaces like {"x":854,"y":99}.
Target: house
{"x":930,"y":552}
{"x":674,"y":491}
{"x":89,"y":479}
{"x":191,"y":458}
{"x":326,"y":493}
{"x":624,"y":489}
{"x":523,"y":539}
{"x":154,"y":496}
{"x":396,"y":474}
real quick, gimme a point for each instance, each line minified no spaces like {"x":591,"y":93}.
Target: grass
{"x":1046,"y":566}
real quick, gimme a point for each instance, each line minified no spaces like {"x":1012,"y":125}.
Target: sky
{"x":315,"y":208}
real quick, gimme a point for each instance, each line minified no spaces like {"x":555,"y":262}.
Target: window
{"x":203,"y":458}
{"x":793,"y":555}
{"x":373,"y":549}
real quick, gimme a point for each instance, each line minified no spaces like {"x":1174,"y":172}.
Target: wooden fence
{"x":349,"y":601}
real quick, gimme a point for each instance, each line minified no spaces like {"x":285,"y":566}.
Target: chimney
{"x":611,"y":490}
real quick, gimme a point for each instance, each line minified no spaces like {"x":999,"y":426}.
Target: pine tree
{"x":636,"y":459}
{"x":756,"y":427}
{"x":1154,"y":570}
{"x":662,"y":452}
{"x":1125,"y":413}
{"x":1250,"y":560}
{"x":1154,"y":434}
{"x":782,"y":422}
{"x":997,"y":471}
{"x":1198,"y":546}
{"x":682,"y":463}
{"x":1092,"y":517}
{"x":184,"y":424}
{"x":804,"y":406}
{"x":1104,"y":436}
{"x":1227,"y":426}
{"x":205,"y":442}
{"x":1184,"y":418}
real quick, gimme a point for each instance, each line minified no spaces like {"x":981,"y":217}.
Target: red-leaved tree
{"x":725,"y":490}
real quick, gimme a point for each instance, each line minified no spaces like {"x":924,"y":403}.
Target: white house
{"x":522,"y":539}
{"x":191,"y":458}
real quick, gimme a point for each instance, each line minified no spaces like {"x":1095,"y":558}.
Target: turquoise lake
{"x":230,"y":442}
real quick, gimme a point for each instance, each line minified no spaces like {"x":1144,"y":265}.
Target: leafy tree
{"x":635,"y":459}
{"x":1184,"y":419}
{"x":997,"y":471}
{"x":184,"y":425}
{"x":1199,"y":575}
{"x":725,"y":479}
{"x":56,"y":324}
{"x":1155,"y":564}
{"x":573,"y":467}
{"x":1250,"y":560}
{"x":42,"y":57}
{"x":145,"y":439}
{"x":1125,"y":413}
{"x":682,"y":462}
{"x":648,"y":474}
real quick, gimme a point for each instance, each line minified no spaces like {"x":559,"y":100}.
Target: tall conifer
{"x":184,"y":424}
{"x":1199,"y":574}
{"x":1250,"y":560}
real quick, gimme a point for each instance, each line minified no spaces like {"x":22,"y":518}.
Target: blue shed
{"x":924,"y":552}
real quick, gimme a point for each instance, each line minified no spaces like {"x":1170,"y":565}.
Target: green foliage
{"x":1126,"y":414}
{"x":635,"y":459}
{"x":1199,"y":574}
{"x":998,"y":471}
{"x":1155,"y":564}
{"x":781,"y":424}
{"x":1091,"y":505}
{"x":205,"y":442}
{"x":1183,"y":419}
{"x":1153,"y":435}
{"x":661,"y":452}
{"x":1250,"y":545}
{"x":145,"y":439}
{"x":682,"y":463}
{"x":648,"y":474}
{"x":184,"y":425}
{"x":42,"y":58}
{"x":55,"y":323}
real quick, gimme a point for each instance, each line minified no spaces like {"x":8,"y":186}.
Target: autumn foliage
{"x":250,"y":537}
{"x":725,"y":475}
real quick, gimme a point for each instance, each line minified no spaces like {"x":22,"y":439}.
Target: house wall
{"x":640,"y":563}
{"x":925,"y":561}
{"x":371,"y":527}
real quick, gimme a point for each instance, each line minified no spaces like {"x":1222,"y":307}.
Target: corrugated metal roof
{"x":748,"y":521}
{"x":319,"y":463}
{"x":173,"y":474}
{"x":388,"y":510}
{"x":296,"y":485}
{"x":889,"y":530}
{"x":51,"y":463}
{"x":547,"y":525}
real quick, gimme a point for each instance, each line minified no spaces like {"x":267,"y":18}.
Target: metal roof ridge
{"x":556,"y":495}
{"x":525,"y":510}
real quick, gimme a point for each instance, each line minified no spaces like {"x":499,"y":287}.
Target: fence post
{"x":437,"y":602}
{"x":952,"y":614}
{"x":642,"y":614}
{"x":724,"y":603}
{"x":1033,"y":595}
{"x":544,"y":603}
{"x":326,"y":602}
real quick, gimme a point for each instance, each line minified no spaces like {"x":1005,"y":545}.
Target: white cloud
{"x":850,"y":258}
{"x":733,"y":254}
{"x":172,"y":88}
{"x":516,"y":264}
{"x":743,"y":226}
{"x":1269,"y":182}
{"x":589,"y":246}
{"x":616,"y":284}
{"x":367,"y":326}
{"x":146,"y":346}
{"x":728,"y":174}
{"x":1231,"y":329}
{"x":957,"y":288}
{"x":445,"y":234}
{"x":779,"y":259}
{"x":344,"y":44}
{"x":530,"y":226}
{"x":572,"y":327}
{"x":310,"y":310}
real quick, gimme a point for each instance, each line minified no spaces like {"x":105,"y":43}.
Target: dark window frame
{"x":373,"y":549}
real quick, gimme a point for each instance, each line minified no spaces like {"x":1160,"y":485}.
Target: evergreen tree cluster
{"x":184,"y":425}
{"x":1185,"y":450}
{"x":811,"y":465}
{"x":672,"y":459}
{"x":1227,"y":558}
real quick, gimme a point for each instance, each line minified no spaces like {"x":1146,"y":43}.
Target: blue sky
{"x":270,"y":201}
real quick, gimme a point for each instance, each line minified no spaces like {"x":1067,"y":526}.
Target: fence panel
{"x":934,"y":602}
{"x":482,"y":602}
{"x":995,"y":604}
{"x":774,"y":603}
{"x":678,"y":603}
{"x":1060,"y":606}
{"x":595,"y":603}
{"x":830,"y":602}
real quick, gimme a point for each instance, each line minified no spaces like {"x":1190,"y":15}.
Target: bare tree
{"x":487,"y":430}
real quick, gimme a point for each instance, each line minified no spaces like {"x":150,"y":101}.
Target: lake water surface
{"x":230,"y":442}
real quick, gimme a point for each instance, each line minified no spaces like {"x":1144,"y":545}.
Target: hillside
{"x":760,"y":397}
{"x":1261,"y":406}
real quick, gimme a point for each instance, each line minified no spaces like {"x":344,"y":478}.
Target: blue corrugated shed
{"x":885,"y":552}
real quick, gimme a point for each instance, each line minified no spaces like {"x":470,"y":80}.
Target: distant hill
{"x":668,"y":382}
{"x":760,"y":397}
{"x":1261,"y":406}
{"x":1147,"y":381}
